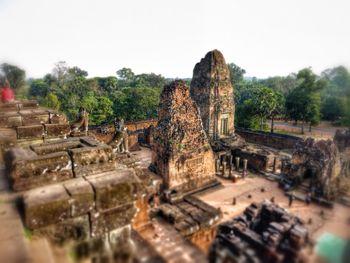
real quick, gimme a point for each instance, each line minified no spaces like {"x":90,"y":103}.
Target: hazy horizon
{"x":266,"y":38}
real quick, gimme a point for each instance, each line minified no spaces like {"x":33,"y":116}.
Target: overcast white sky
{"x":265,"y":37}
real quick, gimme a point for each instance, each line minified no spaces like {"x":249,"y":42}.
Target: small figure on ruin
{"x":120,"y":139}
{"x":7,"y":94}
{"x":82,"y":122}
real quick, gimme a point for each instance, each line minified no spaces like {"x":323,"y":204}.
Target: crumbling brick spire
{"x":212,"y":90}
{"x":182,"y":153}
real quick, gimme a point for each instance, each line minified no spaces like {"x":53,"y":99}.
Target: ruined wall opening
{"x":308,"y":174}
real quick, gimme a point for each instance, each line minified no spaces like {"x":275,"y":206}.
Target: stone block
{"x":17,"y":154}
{"x":114,"y":188}
{"x":53,"y":130}
{"x":134,"y":142}
{"x":7,"y":140}
{"x":90,"y":141}
{"x":74,"y":230}
{"x":92,"y":160}
{"x":10,"y":119}
{"x":128,"y":161}
{"x":108,"y":220}
{"x":45,"y":206}
{"x":82,"y":196}
{"x":56,"y":146}
{"x":32,"y":131}
{"x":29,"y":104}
{"x":33,"y":171}
{"x":34,"y":118}
{"x":11,"y":106}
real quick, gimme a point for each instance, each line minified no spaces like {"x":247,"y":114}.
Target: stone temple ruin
{"x":264,"y":233}
{"x":212,"y":90}
{"x":181,"y":153}
{"x":132,"y":192}
{"x":315,"y":163}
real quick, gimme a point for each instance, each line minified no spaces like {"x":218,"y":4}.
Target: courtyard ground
{"x":335,"y":221}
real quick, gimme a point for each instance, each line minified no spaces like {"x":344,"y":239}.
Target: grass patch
{"x":28,"y":233}
{"x":73,"y":255}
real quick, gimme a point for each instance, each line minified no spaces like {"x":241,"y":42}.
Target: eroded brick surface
{"x":82,"y":196}
{"x":92,"y":160}
{"x":114,"y":218}
{"x":55,"y":130}
{"x":182,"y":153}
{"x":30,"y":131}
{"x":212,"y":90}
{"x":27,"y":170}
{"x":114,"y":188}
{"x":46,"y":205}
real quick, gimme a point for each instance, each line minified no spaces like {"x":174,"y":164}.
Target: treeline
{"x":303,"y":97}
{"x":130,"y":96}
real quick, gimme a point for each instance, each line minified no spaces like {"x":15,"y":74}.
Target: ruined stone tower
{"x":212,"y":90}
{"x":182,"y":153}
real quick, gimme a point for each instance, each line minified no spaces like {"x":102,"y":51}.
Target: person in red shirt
{"x":7,"y":94}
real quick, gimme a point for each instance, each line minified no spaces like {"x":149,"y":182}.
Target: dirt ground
{"x":333,"y":221}
{"x":324,"y":130}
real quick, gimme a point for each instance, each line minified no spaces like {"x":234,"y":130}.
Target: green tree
{"x":246,"y":116}
{"x":333,"y":96}
{"x":279,"y":108}
{"x":303,"y":103}
{"x":136,"y":103}
{"x":15,"y":76}
{"x":107,"y":85}
{"x":149,"y":81}
{"x":265,"y":102}
{"x":236,"y":73}
{"x":125,"y":74}
{"x":100,"y":108}
{"x":39,"y":88}
{"x":52,"y":102}
{"x":332,"y":108}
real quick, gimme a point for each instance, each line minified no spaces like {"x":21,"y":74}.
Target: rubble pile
{"x":188,"y":216}
{"x":265,"y":232}
{"x":181,"y":152}
{"x":212,"y":90}
{"x":319,"y":163}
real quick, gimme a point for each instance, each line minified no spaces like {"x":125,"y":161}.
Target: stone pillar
{"x":217,"y":164}
{"x":245,"y":164}
{"x":282,"y":165}
{"x":224,"y":169}
{"x":274,"y":168}
{"x":237,"y":163}
{"x":230,"y":161}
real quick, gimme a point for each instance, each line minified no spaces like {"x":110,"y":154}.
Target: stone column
{"x":217,"y":164}
{"x":224,"y":169}
{"x":282,"y":166}
{"x":230,"y":161}
{"x":237,"y":163}
{"x":274,"y":168}
{"x":245,"y":164}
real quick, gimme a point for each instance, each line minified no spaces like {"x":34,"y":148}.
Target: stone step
{"x":13,"y":242}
